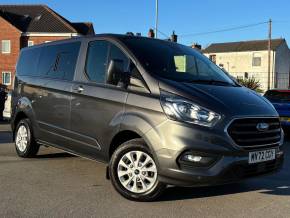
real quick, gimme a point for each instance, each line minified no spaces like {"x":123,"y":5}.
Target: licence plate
{"x":261,"y":156}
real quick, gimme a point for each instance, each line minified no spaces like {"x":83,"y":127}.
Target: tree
{"x":251,"y":83}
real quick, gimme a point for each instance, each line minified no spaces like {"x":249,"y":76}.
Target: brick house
{"x":27,"y":25}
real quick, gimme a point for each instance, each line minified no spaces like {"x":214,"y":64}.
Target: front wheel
{"x":134,"y":173}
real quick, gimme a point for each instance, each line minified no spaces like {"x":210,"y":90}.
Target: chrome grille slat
{"x":255,"y":133}
{"x":244,"y":133}
{"x":253,"y":124}
{"x":259,"y":139}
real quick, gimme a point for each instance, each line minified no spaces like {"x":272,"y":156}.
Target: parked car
{"x":156,"y":112}
{"x":7,"y":107}
{"x":281,"y":101}
{"x":2,"y":99}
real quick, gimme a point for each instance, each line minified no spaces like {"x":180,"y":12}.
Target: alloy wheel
{"x":137,"y":171}
{"x":22,"y":138}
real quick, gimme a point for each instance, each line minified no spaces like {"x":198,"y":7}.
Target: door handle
{"x":79,"y":89}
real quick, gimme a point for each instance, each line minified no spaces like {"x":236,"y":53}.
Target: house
{"x":27,"y":25}
{"x":250,"y":59}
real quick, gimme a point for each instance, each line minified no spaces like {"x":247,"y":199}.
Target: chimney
{"x":196,"y":46}
{"x":173,"y":37}
{"x":151,"y":33}
{"x":130,"y":33}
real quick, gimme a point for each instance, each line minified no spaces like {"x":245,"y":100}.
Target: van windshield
{"x":176,"y":62}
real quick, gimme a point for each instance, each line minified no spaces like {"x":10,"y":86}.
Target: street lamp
{"x":156,"y":18}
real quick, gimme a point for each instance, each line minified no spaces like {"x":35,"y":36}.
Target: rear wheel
{"x":134,"y":173}
{"x":25,"y":143}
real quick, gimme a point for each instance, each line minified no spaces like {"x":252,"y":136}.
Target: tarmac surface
{"x":57,"y":184}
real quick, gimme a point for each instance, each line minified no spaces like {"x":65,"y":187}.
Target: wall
{"x":237,"y":63}
{"x":282,"y":66}
{"x":8,"y":61}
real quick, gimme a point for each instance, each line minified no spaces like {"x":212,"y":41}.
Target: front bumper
{"x":172,"y":139}
{"x":227,"y":170}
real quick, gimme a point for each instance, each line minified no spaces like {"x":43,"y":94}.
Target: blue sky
{"x":183,"y":16}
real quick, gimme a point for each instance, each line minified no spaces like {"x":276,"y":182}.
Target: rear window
{"x":27,"y":64}
{"x":59,"y":61}
{"x":278,"y":95}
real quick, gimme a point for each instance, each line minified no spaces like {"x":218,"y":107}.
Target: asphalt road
{"x":56,"y":184}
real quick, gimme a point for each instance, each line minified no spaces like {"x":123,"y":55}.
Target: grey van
{"x":157,"y":112}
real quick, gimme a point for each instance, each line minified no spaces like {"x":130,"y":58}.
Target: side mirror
{"x":115,"y":71}
{"x":136,"y":82}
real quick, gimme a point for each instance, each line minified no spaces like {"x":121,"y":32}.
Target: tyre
{"x":134,"y":173}
{"x":25,"y":143}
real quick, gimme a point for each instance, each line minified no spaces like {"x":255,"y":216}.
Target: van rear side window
{"x":27,"y":64}
{"x":59,"y":61}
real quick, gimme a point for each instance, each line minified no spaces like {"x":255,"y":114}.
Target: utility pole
{"x":269,"y":53}
{"x":156,"y":19}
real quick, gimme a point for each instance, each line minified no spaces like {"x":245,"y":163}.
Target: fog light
{"x":197,"y":160}
{"x":192,"y":158}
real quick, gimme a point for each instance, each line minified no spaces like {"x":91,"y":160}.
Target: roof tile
{"x":255,"y":45}
{"x":36,"y":18}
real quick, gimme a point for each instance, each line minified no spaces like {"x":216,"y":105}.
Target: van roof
{"x":104,"y":35}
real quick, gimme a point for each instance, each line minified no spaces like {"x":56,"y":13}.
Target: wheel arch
{"x":23,"y":110}
{"x":120,"y":138}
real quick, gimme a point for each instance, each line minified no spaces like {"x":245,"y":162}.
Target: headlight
{"x":180,"y":109}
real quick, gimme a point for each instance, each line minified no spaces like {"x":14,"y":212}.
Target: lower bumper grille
{"x":250,"y":170}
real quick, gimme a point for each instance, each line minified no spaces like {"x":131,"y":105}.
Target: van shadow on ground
{"x":265,"y":186}
{"x":55,"y":155}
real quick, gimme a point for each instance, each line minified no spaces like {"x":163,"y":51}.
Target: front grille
{"x":244,"y":132}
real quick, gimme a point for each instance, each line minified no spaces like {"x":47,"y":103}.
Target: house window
{"x":213,"y":58}
{"x":6,"y":46}
{"x":257,"y":60}
{"x":30,"y":43}
{"x":6,"y":78}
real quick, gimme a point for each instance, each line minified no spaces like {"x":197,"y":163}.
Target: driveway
{"x":57,"y":184}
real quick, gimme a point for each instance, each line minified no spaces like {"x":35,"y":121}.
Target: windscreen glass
{"x":175,"y":62}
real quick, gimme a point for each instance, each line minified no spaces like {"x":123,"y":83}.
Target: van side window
{"x":27,"y":64}
{"x":117,"y":53}
{"x":59,"y":61}
{"x":66,"y":64}
{"x":96,"y":64}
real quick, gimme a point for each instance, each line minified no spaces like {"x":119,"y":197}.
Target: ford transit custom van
{"x":157,"y":112}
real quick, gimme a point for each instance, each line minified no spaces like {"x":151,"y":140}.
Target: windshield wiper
{"x":212,"y":82}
